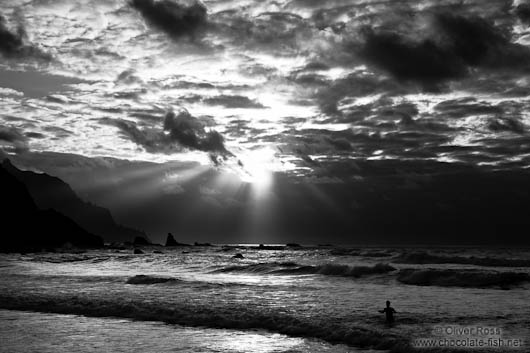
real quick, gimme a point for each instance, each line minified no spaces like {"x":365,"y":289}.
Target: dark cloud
{"x":153,"y":140}
{"x":229,"y":101}
{"x":10,"y":42}
{"x":12,"y":140}
{"x":354,"y":85}
{"x":424,"y":61}
{"x":523,"y":12}
{"x":463,"y":107}
{"x":35,"y":135}
{"x":179,"y":131}
{"x":457,"y":43}
{"x":506,"y":124}
{"x":11,"y":134}
{"x":13,"y":43}
{"x":190,"y":132}
{"x":479,"y":43}
{"x":128,"y":77}
{"x":173,"y":18}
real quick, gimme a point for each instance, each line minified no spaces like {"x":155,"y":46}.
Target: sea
{"x":268,"y":299}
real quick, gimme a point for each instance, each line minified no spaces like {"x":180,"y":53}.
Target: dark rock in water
{"x":137,"y":251}
{"x":32,"y":229}
{"x":117,"y":246}
{"x":157,"y":252}
{"x":270,"y":247}
{"x":201,"y":244}
{"x":170,"y":241}
{"x":293,"y":245}
{"x":141,"y":241}
{"x":238,"y":256}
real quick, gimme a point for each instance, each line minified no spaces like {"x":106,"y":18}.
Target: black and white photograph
{"x":265,"y":176}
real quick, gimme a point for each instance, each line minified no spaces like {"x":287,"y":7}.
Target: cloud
{"x":454,"y":44}
{"x":153,"y":140}
{"x":12,"y":140}
{"x":229,"y":101}
{"x":506,"y":124}
{"x":13,"y":44}
{"x":179,"y":131}
{"x":274,"y":32}
{"x":523,"y":12}
{"x":478,"y":43}
{"x":173,"y":18}
{"x":190,"y":132}
{"x":464,"y":107}
{"x":424,"y":61}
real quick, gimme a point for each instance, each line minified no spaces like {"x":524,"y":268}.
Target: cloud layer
{"x":324,"y":86}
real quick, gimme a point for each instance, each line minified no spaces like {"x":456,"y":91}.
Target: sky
{"x":268,"y":121}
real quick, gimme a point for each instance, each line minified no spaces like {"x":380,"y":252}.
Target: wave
{"x":427,"y":258}
{"x":200,"y":315}
{"x":362,"y":253}
{"x":461,"y":278}
{"x":292,"y":268}
{"x":144,"y":279}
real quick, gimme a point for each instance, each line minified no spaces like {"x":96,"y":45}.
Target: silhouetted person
{"x":389,"y":311}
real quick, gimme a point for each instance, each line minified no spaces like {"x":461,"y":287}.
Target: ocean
{"x":274,"y":299}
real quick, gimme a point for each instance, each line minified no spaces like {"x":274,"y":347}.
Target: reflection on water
{"x":24,"y":332}
{"x":330,"y":295}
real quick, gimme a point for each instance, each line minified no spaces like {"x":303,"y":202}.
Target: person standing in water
{"x":389,"y":311}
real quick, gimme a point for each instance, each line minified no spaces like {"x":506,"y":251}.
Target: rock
{"x":270,"y":247}
{"x":92,"y":218}
{"x":170,"y":241}
{"x":157,"y":252}
{"x":36,"y":229}
{"x":238,"y":256}
{"x":137,"y":251}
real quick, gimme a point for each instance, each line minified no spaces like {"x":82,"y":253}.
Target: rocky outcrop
{"x":50,"y":192}
{"x":28,"y":228}
{"x":170,"y":241}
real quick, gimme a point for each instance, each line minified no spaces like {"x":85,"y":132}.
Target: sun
{"x":257,"y":167}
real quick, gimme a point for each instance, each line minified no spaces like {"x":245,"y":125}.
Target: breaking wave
{"x":461,"y":278}
{"x":362,"y":253}
{"x":225,"y":317}
{"x":144,"y":279}
{"x":291,"y":268}
{"x":427,"y":258}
